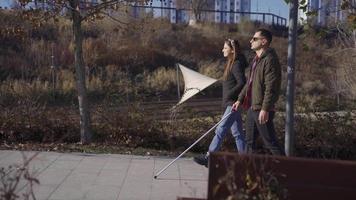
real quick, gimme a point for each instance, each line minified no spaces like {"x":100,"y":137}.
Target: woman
{"x":233,"y":81}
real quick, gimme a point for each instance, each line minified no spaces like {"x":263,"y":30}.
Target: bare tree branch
{"x":114,"y":19}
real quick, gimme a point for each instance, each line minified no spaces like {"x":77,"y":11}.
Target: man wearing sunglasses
{"x":260,"y":94}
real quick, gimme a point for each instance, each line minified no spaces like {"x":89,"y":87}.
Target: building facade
{"x":228,"y":7}
{"x":327,"y":12}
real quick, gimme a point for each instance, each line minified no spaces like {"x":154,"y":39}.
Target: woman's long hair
{"x":235,"y":46}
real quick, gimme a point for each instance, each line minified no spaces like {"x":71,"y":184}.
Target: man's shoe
{"x":201,"y":160}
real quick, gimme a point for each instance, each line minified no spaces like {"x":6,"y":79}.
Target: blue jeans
{"x":233,"y":122}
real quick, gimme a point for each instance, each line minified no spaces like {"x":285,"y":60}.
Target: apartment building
{"x":228,"y":7}
{"x":178,"y":10}
{"x":328,"y":12}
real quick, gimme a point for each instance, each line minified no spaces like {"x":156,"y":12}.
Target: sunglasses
{"x":257,"y":38}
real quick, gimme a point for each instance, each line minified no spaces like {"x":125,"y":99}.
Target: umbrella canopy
{"x":194,"y":82}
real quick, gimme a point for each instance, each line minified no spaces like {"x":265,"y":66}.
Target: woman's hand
{"x":235,"y":106}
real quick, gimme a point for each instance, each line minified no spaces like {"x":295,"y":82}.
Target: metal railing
{"x":178,"y":15}
{"x":183,"y":15}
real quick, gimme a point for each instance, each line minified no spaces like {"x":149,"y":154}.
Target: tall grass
{"x":140,"y":60}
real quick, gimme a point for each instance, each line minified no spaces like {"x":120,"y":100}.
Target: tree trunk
{"x":85,"y":129}
{"x":193,"y":19}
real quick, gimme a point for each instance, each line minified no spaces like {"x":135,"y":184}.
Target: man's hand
{"x":263,"y":117}
{"x":235,"y":106}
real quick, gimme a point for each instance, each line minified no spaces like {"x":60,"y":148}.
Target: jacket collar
{"x":267,"y":52}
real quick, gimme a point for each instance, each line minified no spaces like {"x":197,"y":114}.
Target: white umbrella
{"x":194,"y":82}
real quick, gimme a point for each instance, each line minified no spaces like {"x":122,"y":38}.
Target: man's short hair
{"x":266,"y":34}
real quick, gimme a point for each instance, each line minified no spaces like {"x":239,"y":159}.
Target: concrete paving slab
{"x":196,"y":189}
{"x":170,"y":173}
{"x":76,"y":176}
{"x":165,"y":185}
{"x":5,"y":154}
{"x":65,"y":164}
{"x":42,"y":192}
{"x":118,"y":164}
{"x":71,"y":191}
{"x":15,"y":158}
{"x":137,"y":184}
{"x":190,"y":171}
{"x":102,"y":192}
{"x":111,"y":178}
{"x":53,"y":176}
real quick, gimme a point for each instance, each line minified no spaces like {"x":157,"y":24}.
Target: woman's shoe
{"x":202,"y":160}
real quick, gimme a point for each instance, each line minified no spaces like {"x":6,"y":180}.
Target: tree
{"x":342,"y":82}
{"x":350,"y":6}
{"x":196,"y":7}
{"x":77,"y":11}
{"x":346,"y":29}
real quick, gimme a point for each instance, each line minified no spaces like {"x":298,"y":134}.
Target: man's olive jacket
{"x":266,"y":83}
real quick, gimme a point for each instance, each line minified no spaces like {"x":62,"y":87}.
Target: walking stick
{"x":191,"y":146}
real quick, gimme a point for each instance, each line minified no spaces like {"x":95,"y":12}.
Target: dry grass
{"x":137,"y":64}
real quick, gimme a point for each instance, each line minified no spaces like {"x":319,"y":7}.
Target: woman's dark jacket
{"x":235,"y":81}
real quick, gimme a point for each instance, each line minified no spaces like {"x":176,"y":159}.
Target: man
{"x":261,"y":93}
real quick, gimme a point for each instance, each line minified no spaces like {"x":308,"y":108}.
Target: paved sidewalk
{"x":69,"y":176}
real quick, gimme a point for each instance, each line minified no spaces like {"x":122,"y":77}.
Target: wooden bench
{"x":297,"y":178}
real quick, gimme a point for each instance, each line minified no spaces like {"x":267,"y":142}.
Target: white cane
{"x":169,"y":164}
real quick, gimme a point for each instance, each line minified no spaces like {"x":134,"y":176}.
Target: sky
{"x":5,"y":3}
{"x":278,"y":7}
